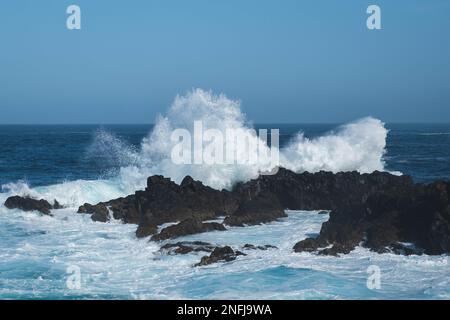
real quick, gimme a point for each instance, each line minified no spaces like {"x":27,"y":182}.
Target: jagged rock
{"x":321,"y":190}
{"x":336,"y":249}
{"x":28,"y":204}
{"x":377,"y":210}
{"x":145,"y":230}
{"x":99,"y":212}
{"x":220,"y":254}
{"x":185,"y":247}
{"x":417,"y":214}
{"x":263,"y":208}
{"x":404,"y":249}
{"x":309,"y":245}
{"x":125,"y":209}
{"x":57,"y":205}
{"x":253,"y":247}
{"x":122,"y":209}
{"x":187,"y":227}
{"x":164,"y":201}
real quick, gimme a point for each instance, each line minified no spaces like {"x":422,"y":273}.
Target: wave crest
{"x":359,"y":145}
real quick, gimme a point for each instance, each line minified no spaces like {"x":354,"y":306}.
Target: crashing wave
{"x":359,"y":145}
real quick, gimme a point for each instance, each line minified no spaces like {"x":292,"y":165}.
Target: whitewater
{"x":359,"y":146}
{"x":35,"y":250}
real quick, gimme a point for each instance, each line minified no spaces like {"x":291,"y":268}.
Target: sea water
{"x":89,"y":163}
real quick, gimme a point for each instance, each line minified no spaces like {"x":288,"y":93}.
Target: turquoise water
{"x":71,"y":164}
{"x":36,"y":252}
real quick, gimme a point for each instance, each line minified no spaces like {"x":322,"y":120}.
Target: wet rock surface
{"x":416,"y":214}
{"x":99,"y":212}
{"x":145,"y":230}
{"x":381,"y":211}
{"x":164,"y":201}
{"x":260,"y":247}
{"x":321,"y":190}
{"x":220,"y":254}
{"x":30,"y":204}
{"x":263,"y":208}
{"x":185,"y":247}
{"x":187,"y":227}
{"x":223,"y":253}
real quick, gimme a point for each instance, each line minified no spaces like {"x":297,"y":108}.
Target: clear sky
{"x":286,"y":60}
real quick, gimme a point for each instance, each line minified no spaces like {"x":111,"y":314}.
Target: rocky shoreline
{"x":379,"y":211}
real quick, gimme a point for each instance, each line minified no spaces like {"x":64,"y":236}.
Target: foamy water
{"x":359,"y":145}
{"x":35,"y":250}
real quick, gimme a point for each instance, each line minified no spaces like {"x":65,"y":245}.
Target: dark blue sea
{"x":88,"y":163}
{"x":48,"y":154}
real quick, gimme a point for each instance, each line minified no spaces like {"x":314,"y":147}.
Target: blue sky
{"x":286,"y":60}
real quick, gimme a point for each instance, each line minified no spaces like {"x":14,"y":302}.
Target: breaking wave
{"x":359,"y":145}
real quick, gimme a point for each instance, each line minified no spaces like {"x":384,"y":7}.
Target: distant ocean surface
{"x":49,"y":154}
{"x":75,"y":163}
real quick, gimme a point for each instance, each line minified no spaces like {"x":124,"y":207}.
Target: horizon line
{"x":254,"y":123}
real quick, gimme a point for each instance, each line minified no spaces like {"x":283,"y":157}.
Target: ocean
{"x":90,"y":163}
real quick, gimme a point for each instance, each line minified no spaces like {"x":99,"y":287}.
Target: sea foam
{"x":37,"y":250}
{"x":359,"y":146}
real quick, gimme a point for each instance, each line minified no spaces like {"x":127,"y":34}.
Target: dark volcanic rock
{"x":164,"y":201}
{"x":404,"y":249}
{"x":186,"y":227}
{"x":220,"y":254}
{"x":309,"y":245}
{"x":336,"y":249}
{"x":185,"y":247}
{"x":145,"y":230}
{"x":253,"y":247}
{"x":263,"y":208}
{"x":417,"y":214}
{"x":29,"y":204}
{"x":321,"y":190}
{"x":122,"y":209}
{"x":57,"y":205}
{"x":99,"y":211}
{"x":380,"y":211}
{"x":125,"y":209}
{"x":265,"y":199}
